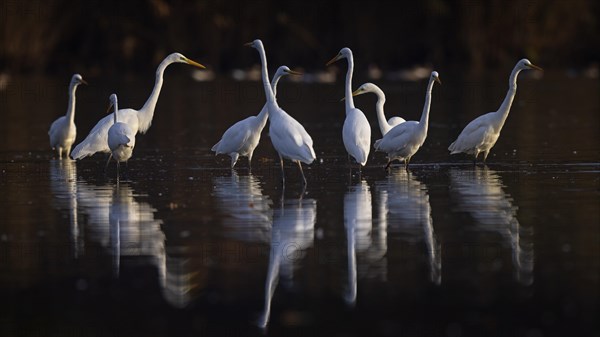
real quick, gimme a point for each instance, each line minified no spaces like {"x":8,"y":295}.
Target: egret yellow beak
{"x":291,"y":72}
{"x":83,"y":82}
{"x":337,"y":57}
{"x":248,"y":44}
{"x":194,"y":63}
{"x":533,"y":66}
{"x":354,"y":93}
{"x":357,"y":92}
{"x":110,"y":105}
{"x":437,"y":79}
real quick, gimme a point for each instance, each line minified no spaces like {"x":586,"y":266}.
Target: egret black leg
{"x":107,"y":162}
{"x":282,"y":171}
{"x":302,"y":172}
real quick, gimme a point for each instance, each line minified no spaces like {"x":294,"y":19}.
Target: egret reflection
{"x":480,"y":193}
{"x":404,"y":201}
{"x":292,"y":233}
{"x":248,"y":213}
{"x":127,"y":228}
{"x":63,"y":184}
{"x":358,"y":221}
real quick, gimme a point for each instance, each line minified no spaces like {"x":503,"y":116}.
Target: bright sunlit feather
{"x":63,"y":131}
{"x":384,"y":126}
{"x":289,"y":138}
{"x":481,"y":134}
{"x":121,"y":138}
{"x":138,"y":120}
{"x":405,"y":139}
{"x":356,"y":132}
{"x":242,"y":137}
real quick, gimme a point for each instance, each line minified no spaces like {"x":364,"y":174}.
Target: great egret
{"x":356,"y":132}
{"x":289,"y":138}
{"x":405,"y":139}
{"x":242,"y":137}
{"x":482,"y":133}
{"x":121,"y":137}
{"x":138,"y":120}
{"x":384,"y":125}
{"x":63,"y":131}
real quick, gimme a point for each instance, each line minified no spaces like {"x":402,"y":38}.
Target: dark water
{"x":185,"y":247}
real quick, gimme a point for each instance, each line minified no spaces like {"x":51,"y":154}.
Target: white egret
{"x":356,"y":132}
{"x":138,"y":120}
{"x":384,"y":125}
{"x":289,"y":138}
{"x":404,"y":140}
{"x":481,"y":134}
{"x":242,"y":137}
{"x":121,"y":137}
{"x":63,"y":131}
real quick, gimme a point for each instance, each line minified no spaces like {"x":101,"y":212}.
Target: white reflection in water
{"x":480,"y":193}
{"x":247,"y":212}
{"x":63,"y":184}
{"x":292,"y":233}
{"x":405,"y":200}
{"x":358,"y":221}
{"x":127,"y":227}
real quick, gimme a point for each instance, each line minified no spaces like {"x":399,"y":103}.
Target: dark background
{"x":98,"y":37}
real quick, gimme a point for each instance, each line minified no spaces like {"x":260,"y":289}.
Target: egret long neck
{"x":383,"y":124}
{"x":349,"y":98}
{"x":510,"y":96}
{"x":71,"y":106}
{"x":146,"y":113}
{"x":115,"y":117}
{"x":264,"y":113}
{"x":424,"y":123}
{"x":265,"y":76}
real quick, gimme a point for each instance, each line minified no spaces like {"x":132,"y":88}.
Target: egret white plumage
{"x":121,"y":137}
{"x":138,"y":120}
{"x":404,"y":140}
{"x":384,"y":125}
{"x":289,"y":138}
{"x":481,"y":134}
{"x":356,"y":132}
{"x":242,"y":137}
{"x":63,"y":131}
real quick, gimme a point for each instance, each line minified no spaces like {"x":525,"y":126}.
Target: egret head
{"x":112,"y":100}
{"x":365,"y":88}
{"x":526,"y":64}
{"x":256,"y":44}
{"x":77,"y":80}
{"x":436,"y":77}
{"x":344,"y":53}
{"x":178,"y":58}
{"x":284,"y":70}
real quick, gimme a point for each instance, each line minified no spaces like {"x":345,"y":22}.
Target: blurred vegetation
{"x":61,"y":36}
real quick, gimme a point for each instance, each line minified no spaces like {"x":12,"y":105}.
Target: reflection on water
{"x":63,"y":184}
{"x":480,"y":193}
{"x":358,"y":221}
{"x":123,"y":226}
{"x":248,"y":213}
{"x":292,"y":234}
{"x":405,"y":200}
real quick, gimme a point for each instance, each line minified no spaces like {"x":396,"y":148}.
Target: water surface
{"x":185,"y":246}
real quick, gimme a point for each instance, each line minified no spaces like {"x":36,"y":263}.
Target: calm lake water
{"x":186,"y":247}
